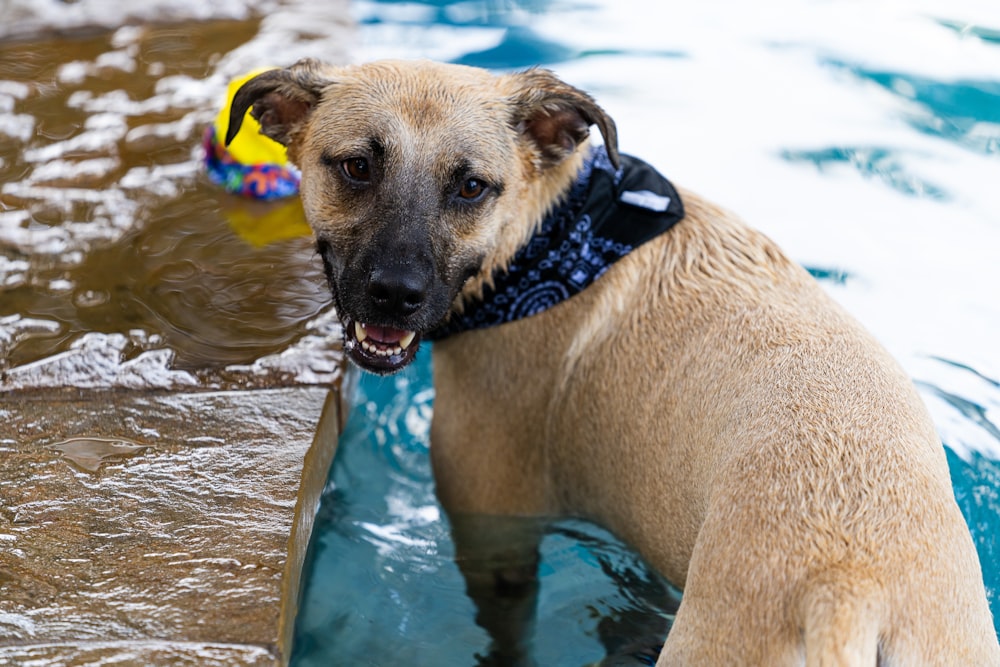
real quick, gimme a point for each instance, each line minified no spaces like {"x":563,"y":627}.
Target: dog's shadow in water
{"x":633,"y":634}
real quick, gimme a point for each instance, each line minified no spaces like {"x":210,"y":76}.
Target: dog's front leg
{"x":498,"y":557}
{"x":492,"y":496}
{"x":488,"y":454}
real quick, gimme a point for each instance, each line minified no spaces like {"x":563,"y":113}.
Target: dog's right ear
{"x":281,"y":99}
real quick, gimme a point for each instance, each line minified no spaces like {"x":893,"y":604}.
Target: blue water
{"x":382,"y":582}
{"x":865,"y":138}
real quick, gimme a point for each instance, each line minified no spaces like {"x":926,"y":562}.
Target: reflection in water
{"x":190,"y":282}
{"x":383,"y":582}
{"x":117,"y":257}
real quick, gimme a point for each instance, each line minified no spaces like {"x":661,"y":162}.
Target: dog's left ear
{"x":282,"y":99}
{"x":556,"y":117}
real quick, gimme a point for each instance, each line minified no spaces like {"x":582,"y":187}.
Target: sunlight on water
{"x":120,"y":264}
{"x":862,"y":137}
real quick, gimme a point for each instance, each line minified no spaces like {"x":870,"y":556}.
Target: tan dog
{"x":704,"y":399}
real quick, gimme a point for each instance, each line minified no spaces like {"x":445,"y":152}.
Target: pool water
{"x":382,"y":581}
{"x":864,"y":138}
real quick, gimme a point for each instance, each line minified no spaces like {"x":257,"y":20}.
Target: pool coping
{"x":184,"y":546}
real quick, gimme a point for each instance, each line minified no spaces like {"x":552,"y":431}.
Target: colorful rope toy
{"x":253,"y":165}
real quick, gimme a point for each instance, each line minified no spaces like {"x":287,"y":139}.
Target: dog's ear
{"x":556,"y":117}
{"x":281,"y":99}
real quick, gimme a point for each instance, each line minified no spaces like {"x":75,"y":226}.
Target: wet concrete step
{"x":158,"y":529}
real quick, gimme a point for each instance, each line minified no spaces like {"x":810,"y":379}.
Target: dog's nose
{"x":397,"y":291}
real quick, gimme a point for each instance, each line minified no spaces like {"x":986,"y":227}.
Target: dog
{"x":700,"y":395}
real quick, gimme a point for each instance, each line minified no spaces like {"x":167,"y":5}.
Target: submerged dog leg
{"x":498,"y":557}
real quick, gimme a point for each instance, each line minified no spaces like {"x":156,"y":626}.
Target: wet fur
{"x":705,"y":399}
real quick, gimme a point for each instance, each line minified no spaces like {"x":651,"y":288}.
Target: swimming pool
{"x":863,"y":137}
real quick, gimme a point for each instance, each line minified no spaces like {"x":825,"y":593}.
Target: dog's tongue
{"x":385,"y":335}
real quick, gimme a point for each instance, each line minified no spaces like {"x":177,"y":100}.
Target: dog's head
{"x":419,"y":180}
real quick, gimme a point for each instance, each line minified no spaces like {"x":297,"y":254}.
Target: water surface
{"x":120,"y":264}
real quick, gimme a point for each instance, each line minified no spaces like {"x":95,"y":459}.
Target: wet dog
{"x":612,"y":349}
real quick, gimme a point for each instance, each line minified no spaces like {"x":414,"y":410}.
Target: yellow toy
{"x":253,"y":165}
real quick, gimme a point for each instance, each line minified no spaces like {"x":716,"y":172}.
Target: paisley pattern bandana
{"x":606,"y":214}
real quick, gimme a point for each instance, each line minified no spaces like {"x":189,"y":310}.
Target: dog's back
{"x":782,"y":466}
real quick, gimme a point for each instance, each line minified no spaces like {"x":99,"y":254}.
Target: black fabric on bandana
{"x":606,"y":215}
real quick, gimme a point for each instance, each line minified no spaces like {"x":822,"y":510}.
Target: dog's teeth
{"x":379,"y":349}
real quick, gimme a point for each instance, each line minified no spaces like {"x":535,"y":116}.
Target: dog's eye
{"x":357,"y":168}
{"x":472,"y":189}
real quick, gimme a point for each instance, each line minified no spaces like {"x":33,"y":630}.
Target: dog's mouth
{"x":379,"y":349}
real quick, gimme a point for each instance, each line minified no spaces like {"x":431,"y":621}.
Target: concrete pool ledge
{"x":158,"y":528}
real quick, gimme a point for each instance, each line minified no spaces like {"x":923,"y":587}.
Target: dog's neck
{"x":602,"y":216}
{"x":542,"y":191}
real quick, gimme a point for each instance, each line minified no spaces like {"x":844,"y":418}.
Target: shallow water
{"x":382,"y":582}
{"x":864,"y":138}
{"x":120,"y":264}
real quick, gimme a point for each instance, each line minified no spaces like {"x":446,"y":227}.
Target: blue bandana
{"x":606,"y":214}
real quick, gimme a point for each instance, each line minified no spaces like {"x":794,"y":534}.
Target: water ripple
{"x":966,"y":111}
{"x":875,"y":162}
